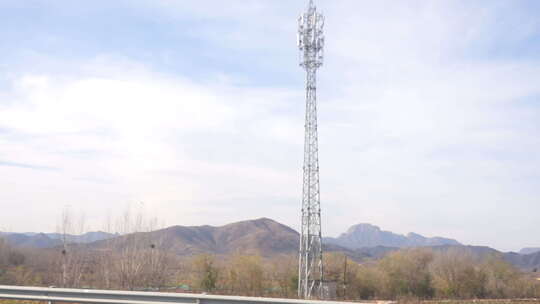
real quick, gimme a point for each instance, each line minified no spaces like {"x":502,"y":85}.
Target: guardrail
{"x":92,"y":296}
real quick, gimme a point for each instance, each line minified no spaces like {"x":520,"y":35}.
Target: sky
{"x":192,"y":111}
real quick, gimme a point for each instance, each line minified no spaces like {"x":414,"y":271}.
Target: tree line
{"x":142,"y":265}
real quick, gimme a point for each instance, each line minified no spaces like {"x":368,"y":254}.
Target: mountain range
{"x":51,"y":240}
{"x":269,"y":238}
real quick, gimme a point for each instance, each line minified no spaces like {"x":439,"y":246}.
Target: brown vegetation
{"x":141,"y":264}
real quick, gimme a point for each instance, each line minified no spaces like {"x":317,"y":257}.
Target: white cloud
{"x":137,"y":132}
{"x":421,"y":128}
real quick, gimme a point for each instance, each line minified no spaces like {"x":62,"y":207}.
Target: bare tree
{"x":104,"y":259}
{"x":72,"y":256}
{"x":4,"y":252}
{"x":246,"y":275}
{"x":140,"y":260}
{"x":205,"y":272}
{"x":457,"y":274}
{"x":283,"y":271}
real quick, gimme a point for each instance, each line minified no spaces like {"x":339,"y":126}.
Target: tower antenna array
{"x":310,"y":268}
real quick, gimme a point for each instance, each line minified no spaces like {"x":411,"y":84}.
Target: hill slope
{"x":262,"y":236}
{"x":529,"y":262}
{"x":529,"y":250}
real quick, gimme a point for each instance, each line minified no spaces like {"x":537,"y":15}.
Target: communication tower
{"x":310,"y":268}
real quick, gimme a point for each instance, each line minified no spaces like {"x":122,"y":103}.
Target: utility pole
{"x":345,"y":278}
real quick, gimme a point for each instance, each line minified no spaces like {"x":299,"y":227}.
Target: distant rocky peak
{"x":368,"y":235}
{"x":363,"y":227}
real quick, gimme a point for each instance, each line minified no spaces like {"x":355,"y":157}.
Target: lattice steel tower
{"x":310,"y":269}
